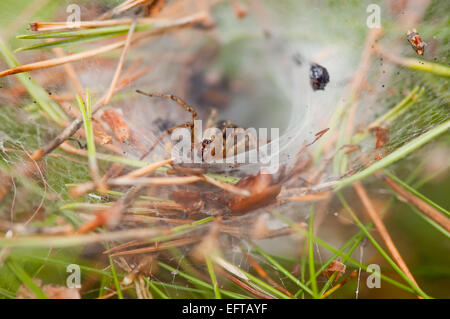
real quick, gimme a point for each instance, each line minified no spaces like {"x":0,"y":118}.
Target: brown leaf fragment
{"x":381,"y":135}
{"x":191,"y":201}
{"x":336,"y":265}
{"x":262,"y":193}
{"x":114,"y":120}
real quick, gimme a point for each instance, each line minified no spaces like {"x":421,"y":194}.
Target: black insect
{"x":319,"y":77}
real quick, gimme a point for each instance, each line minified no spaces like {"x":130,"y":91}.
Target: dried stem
{"x":121,"y":62}
{"x":370,"y":209}
{"x":422,"y":206}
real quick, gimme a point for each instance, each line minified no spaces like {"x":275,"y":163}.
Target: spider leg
{"x":165,"y":133}
{"x":184,"y":105}
{"x":173,"y":98}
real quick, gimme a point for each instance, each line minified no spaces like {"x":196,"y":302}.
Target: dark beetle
{"x":319,"y":77}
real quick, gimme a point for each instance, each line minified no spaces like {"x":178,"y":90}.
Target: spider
{"x":224,"y":126}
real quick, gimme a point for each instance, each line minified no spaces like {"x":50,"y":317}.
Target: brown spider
{"x":223,"y":126}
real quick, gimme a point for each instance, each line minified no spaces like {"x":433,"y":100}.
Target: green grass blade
{"x":393,"y":113}
{"x":62,"y":43}
{"x":312,"y":270}
{"x":283,"y":270}
{"x":115,"y":278}
{"x":416,"y":193}
{"x":156,"y":289}
{"x":7,"y":294}
{"x":336,"y":251}
{"x":50,"y":107}
{"x":200,"y":282}
{"x":117,"y":30}
{"x":381,"y":250}
{"x":212,"y":274}
{"x":26,"y":279}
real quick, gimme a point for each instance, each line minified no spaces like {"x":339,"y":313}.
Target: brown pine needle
{"x":370,"y":209}
{"x":265,"y":276}
{"x":125,"y":6}
{"x":244,"y":285}
{"x":422,"y":206}
{"x":226,"y":186}
{"x":159,"y":205}
{"x":58,"y":26}
{"x":71,"y":73}
{"x":159,"y":247}
{"x":132,"y":243}
{"x":147,"y":169}
{"x":81,"y":240}
{"x":111,"y":216}
{"x":307,"y":197}
{"x":88,"y":54}
{"x":121,"y":62}
{"x":179,"y":180}
{"x":63,"y":60}
{"x":146,"y":219}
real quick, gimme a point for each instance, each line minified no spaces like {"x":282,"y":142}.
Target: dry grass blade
{"x":264,"y":275}
{"x":370,"y":209}
{"x":179,"y":180}
{"x":124,"y":6}
{"x":63,"y":60}
{"x":80,"y":240}
{"x":226,"y":186}
{"x":307,"y":197}
{"x":112,"y":215}
{"x":71,"y":73}
{"x":147,"y":169}
{"x":244,"y":285}
{"x":88,"y":54}
{"x":422,"y":206}
{"x":121,"y":62}
{"x":159,"y":247}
